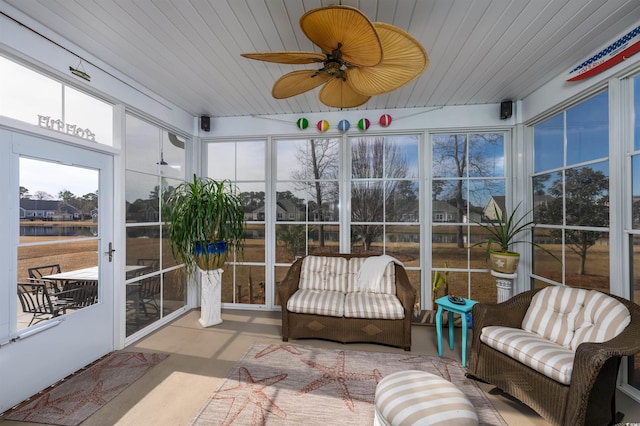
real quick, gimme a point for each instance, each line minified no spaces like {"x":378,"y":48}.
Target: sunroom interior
{"x":105,"y":109}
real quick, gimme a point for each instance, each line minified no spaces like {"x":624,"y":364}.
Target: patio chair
{"x":35,"y":299}
{"x":151,"y":264}
{"x":149,"y":290}
{"x":85,"y":293}
{"x":36,"y":274}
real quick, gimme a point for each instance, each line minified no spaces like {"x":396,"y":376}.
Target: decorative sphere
{"x":344,"y":125}
{"x":363,"y":124}
{"x":323,"y":125}
{"x":385,"y":120}
{"x":302,"y":123}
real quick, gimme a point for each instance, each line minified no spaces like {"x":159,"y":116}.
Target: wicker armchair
{"x":589,"y":399}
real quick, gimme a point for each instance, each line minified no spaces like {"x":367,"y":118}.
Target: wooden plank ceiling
{"x":188,"y":51}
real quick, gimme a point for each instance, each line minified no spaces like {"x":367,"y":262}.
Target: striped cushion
{"x":544,"y":356}
{"x":601,"y":319}
{"x":418,"y":398}
{"x":324,"y":273}
{"x":373,"y":305}
{"x":388,"y":281}
{"x":330,"y":303}
{"x":552,"y":313}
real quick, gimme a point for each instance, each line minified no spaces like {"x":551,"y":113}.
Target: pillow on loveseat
{"x":324,"y":273}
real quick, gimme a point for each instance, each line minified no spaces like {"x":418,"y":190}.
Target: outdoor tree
{"x":293,"y":238}
{"x":635,"y":214}
{"x":437,"y":187}
{"x":42,"y":195}
{"x":586,"y":198}
{"x":89,"y":201}
{"x":66,"y":196}
{"x":318,"y":162}
{"x":24,"y":192}
{"x":458,"y":156}
{"x":252,"y":200}
{"x":379,"y":193}
{"x":374,"y":198}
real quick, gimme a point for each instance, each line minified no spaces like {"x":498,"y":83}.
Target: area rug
{"x":283,"y":384}
{"x":74,"y":399}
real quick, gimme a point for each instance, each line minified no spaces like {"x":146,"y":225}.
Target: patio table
{"x":91,"y":274}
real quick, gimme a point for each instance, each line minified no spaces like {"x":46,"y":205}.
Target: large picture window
{"x":468,"y":179}
{"x":243,"y":163}
{"x":385,"y":199}
{"x":571,"y":196}
{"x":302,"y":205}
{"x":155,"y":160}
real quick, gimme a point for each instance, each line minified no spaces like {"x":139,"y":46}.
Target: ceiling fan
{"x":359,"y":58}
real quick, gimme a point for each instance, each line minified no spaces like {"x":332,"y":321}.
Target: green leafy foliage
{"x":506,"y":232}
{"x":204,"y":211}
{"x":440,"y":279}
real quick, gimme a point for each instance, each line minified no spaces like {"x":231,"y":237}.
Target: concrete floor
{"x":173,"y":392}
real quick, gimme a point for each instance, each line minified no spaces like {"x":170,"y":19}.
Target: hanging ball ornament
{"x":323,"y":125}
{"x":385,"y":120}
{"x":302,"y":123}
{"x":344,"y":125}
{"x":363,"y":124}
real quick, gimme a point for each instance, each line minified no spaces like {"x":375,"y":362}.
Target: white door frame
{"x":33,"y":358}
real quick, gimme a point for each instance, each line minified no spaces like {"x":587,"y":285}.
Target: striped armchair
{"x":323,"y":297}
{"x":556,"y":349}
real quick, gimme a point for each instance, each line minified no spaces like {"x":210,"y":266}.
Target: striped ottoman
{"x":417,"y":398}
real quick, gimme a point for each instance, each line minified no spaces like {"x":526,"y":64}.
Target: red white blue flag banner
{"x":616,"y":52}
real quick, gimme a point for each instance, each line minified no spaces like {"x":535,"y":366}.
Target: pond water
{"x":59,"y":230}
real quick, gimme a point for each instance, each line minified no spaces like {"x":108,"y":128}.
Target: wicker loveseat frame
{"x":589,"y":399}
{"x":392,"y":332}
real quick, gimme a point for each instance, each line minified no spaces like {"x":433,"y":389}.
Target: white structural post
{"x":504,"y":284}
{"x":211,"y":297}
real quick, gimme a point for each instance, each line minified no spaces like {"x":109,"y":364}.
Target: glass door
{"x":63,"y":267}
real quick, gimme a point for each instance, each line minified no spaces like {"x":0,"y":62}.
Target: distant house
{"x":286,"y":211}
{"x":94,"y":215}
{"x":444,"y":212}
{"x":48,"y":210}
{"x":497,"y":204}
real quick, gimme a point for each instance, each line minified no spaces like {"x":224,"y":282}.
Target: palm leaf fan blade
{"x":346,"y":27}
{"x":338,"y":94}
{"x":286,"y":57}
{"x":297,"y":82}
{"x":404,"y":60}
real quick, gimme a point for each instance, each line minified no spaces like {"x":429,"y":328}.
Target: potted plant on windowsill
{"x":206,"y":223}
{"x":505,"y":234}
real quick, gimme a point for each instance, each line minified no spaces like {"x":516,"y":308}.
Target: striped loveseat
{"x":323,"y":297}
{"x":556,"y":349}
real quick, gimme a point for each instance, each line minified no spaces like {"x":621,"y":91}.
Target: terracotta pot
{"x":506,"y":263}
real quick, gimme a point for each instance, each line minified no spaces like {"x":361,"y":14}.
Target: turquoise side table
{"x":445,"y":304}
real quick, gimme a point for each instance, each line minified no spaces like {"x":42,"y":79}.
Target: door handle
{"x":110,"y":252}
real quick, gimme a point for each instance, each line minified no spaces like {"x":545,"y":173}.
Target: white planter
{"x":210,"y":297}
